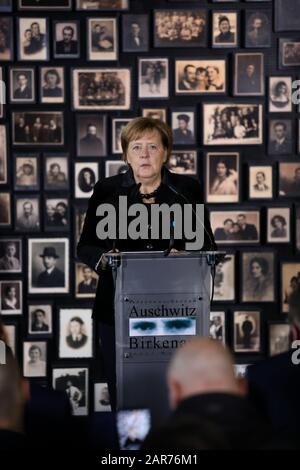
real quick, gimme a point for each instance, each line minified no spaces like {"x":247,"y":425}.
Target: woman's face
{"x":256,"y":270}
{"x":34,"y":355}
{"x":146,"y":155}
{"x":278,"y":223}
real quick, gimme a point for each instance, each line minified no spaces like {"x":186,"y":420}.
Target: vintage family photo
{"x":52,"y":84}
{"x":225,"y":279}
{"x":289,"y":179}
{"x":153,"y":78}
{"x":33,"y":39}
{"x":3,"y":154}
{"x":258,"y":28}
{"x":278,"y":220}
{"x":290,"y":286}
{"x":38,"y":128}
{"x":225,"y":29}
{"x":183,"y":162}
{"x":118,"y":125}
{"x":101,"y":397}
{"x":10,"y":255}
{"x":5,"y":209}
{"x":180,"y":28}
{"x":56,"y":215}
{"x":86,"y":176}
{"x":102,"y":41}
{"x":247,"y":337}
{"x":200,"y":76}
{"x":258,"y":277}
{"x":280,"y":94}
{"x":260,"y":182}
{"x":35,"y":359}
{"x":183,"y":126}
{"x":249,"y":76}
{"x":22,"y":85}
{"x":11,"y":297}
{"x":115,"y":167}
{"x":91,"y":135}
{"x":217,"y":326}
{"x":222,"y":177}
{"x":102,"y":4}
{"x":66,"y":39}
{"x":75,"y":333}
{"x":135,"y":29}
{"x":26,"y":172}
{"x":6,"y":38}
{"x":232,"y":227}
{"x":27,"y":214}
{"x":74,"y":382}
{"x":289,"y":52}
{"x":279,"y":338}
{"x":56,"y":172}
{"x":85,"y":282}
{"x":39,"y":319}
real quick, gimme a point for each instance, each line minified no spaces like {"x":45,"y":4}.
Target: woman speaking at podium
{"x":147,"y":146}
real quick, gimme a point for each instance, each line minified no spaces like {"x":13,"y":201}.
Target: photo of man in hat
{"x":52,"y":276}
{"x":182,"y":135}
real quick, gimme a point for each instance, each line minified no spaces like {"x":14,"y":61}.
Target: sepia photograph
{"x":249,"y":74}
{"x":11,"y":332}
{"x":48,"y":265}
{"x":183,"y":126}
{"x":225,"y":279}
{"x":38,"y":128}
{"x":258,"y":28}
{"x":35,"y":359}
{"x":222,"y":177}
{"x":279,"y":224}
{"x":135,"y":29}
{"x":45,"y":4}
{"x":39,"y":319}
{"x":33,"y":39}
{"x":280,"y":95}
{"x":200,"y":76}
{"x":101,"y":88}
{"x":2,"y":93}
{"x":290,"y":286}
{"x":26,"y":172}
{"x":66,"y":39}
{"x":56,"y":215}
{"x":118,"y":125}
{"x":217,"y":327}
{"x":27,"y":214}
{"x":10,"y":255}
{"x":74,"y":382}
{"x":11,"y":297}
{"x":115,"y":167}
{"x":5,"y":5}
{"x":183,"y":162}
{"x":180,"y":28}
{"x":22,"y":85}
{"x":260,"y":182}
{"x":91,"y":135}
{"x":52,"y":84}
{"x":297,"y":228}
{"x":280,"y":137}
{"x":86,"y":176}
{"x":258,"y":278}
{"x":246,"y":332}
{"x":155,"y":113}
{"x":3,"y":154}
{"x":75,"y":333}
{"x":279,"y":338}
{"x":232,"y":124}
{"x":236,"y":227}
{"x":102,"y":4}
{"x":5,"y":209}
{"x":85,"y":281}
{"x":6,"y":38}
{"x":289,"y":52}
{"x":79,"y":217}
{"x":101,"y":398}
{"x":289,"y":179}
{"x":102,"y":43}
{"x":56,"y":172}
{"x":153,"y":78}
{"x":287,"y":15}
{"x":225,"y":29}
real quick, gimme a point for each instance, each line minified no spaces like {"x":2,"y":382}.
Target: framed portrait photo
{"x":217,"y":326}
{"x":74,"y":382}
{"x":280,"y":95}
{"x":118,"y":124}
{"x":27,"y":213}
{"x":115,"y":167}
{"x":52,"y":84}
{"x":289,"y":52}
{"x":33,"y":39}
{"x":66,"y":39}
{"x":225,"y":29}
{"x":258,"y":29}
{"x":180,"y":28}
{"x":5,"y":5}
{"x":153,"y":78}
{"x":3,"y":154}
{"x":224,"y":290}
{"x":91,"y":135}
{"x":48,"y":265}
{"x":297,"y":227}
{"x":11,"y":297}
{"x":200,"y":76}
{"x":56,"y":214}
{"x":2,"y":93}
{"x":102,"y":43}
{"x":287,"y":15}
{"x":101,"y":398}
{"x":38,"y":128}
{"x":11,"y":331}
{"x":79,"y":218}
{"x":258,"y":276}
{"x":26,"y":172}
{"x":75,"y":333}
{"x":246,"y":331}
{"x":135,"y":33}
{"x":7,"y":35}
{"x":279,"y":338}
{"x":155,"y":113}
{"x":86,"y":282}
{"x":102,"y":4}
{"x":56,"y":172}
{"x":222,"y":177}
{"x":45,"y":4}
{"x":232,"y":124}
{"x":260,"y":181}
{"x":183,"y":126}
{"x":101,"y":89}
{"x":86,"y":176}
{"x":183,"y":162}
{"x":5,"y":209}
{"x":236,"y":227}
{"x":289,"y":179}
{"x":279,"y":224}
{"x":22,"y":85}
{"x":280,"y":137}
{"x":35,"y":359}
{"x":249,"y":74}
{"x":11,"y":255}
{"x":290,"y":286}
{"x":40,"y":318}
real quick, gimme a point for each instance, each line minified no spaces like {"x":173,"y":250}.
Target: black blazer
{"x":90,"y":248}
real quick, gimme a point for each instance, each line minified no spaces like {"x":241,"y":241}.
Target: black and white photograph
{"x":155,"y":113}
{"x":34,"y":358}
{"x":3,"y":154}
{"x":56,"y":172}
{"x":279,"y":338}
{"x":91,"y":135}
{"x":289,"y":52}
{"x":66,"y":39}
{"x":180,"y":28}
{"x":246,"y":332}
{"x":225,"y":29}
{"x":217,"y":326}
{"x":48,"y":265}
{"x":5,"y":5}
{"x":297,"y":228}
{"x":200,"y":76}
{"x":222,"y":177}
{"x":183,"y":126}
{"x":101,"y":398}
{"x":22,"y":85}
{"x":153,"y":78}
{"x":135,"y":30}
{"x":38,"y":128}
{"x":86,"y":176}
{"x":279,"y":224}
{"x":102,"y":4}
{"x":75,"y":333}
{"x":249,"y":74}
{"x":232,"y":124}
{"x":27,"y":214}
{"x":45,"y":4}
{"x":258,"y":278}
{"x":11,"y":297}
{"x":287,"y":15}
{"x":102,"y":88}
{"x":40,"y":319}
{"x":102,"y":43}
{"x":10,"y":255}
{"x":115,"y":167}
{"x":2,"y":93}
{"x":183,"y":162}
{"x":225,"y":279}
{"x":26,"y":172}
{"x":289,"y":179}
{"x":280,"y":95}
{"x":33,"y":39}
{"x":85,"y":281}
{"x":280,"y":137}
{"x":52,"y":84}
{"x":79,"y":218}
{"x":56,"y":215}
{"x":235,"y":227}
{"x":5,"y":209}
{"x":258,"y":28}
{"x":6,"y":38}
{"x":260,"y":182}
{"x":118,"y":125}
{"x":290,"y":286}
{"x":11,"y":335}
{"x":74,"y":382}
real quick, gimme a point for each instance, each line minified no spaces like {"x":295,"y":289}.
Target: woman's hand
{"x":104,"y":259}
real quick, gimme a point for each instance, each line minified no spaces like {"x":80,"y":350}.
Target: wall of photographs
{"x":221,"y":73}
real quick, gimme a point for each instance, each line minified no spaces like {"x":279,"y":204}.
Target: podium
{"x":160,"y":303}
